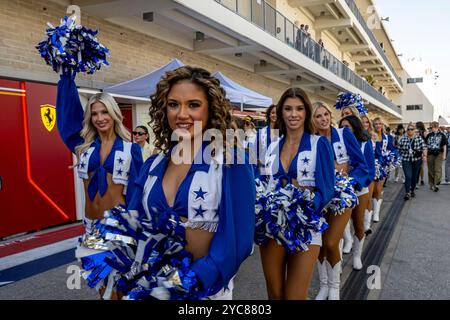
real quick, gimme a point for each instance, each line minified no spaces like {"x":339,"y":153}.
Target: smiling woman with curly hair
{"x":218,"y":107}
{"x":213,"y":203}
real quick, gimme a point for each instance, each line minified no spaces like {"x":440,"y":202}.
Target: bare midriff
{"x":341,"y":167}
{"x":114,"y":196}
{"x":198,"y":242}
{"x":294,"y":182}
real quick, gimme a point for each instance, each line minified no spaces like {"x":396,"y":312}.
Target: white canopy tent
{"x":444,"y":121}
{"x":242,"y":96}
{"x":145,"y":86}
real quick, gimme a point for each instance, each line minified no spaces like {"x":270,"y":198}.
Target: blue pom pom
{"x":71,"y":48}
{"x":286,"y":215}
{"x":344,"y":195}
{"x":147,"y":257}
{"x":348,"y":99}
{"x":392,"y":161}
{"x":380,"y":170}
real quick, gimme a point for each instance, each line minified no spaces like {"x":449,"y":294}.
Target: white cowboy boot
{"x":334,"y":280}
{"x":323,"y":278}
{"x":348,"y":239}
{"x":367,"y":221}
{"x":376,"y":209}
{"x":357,"y":252}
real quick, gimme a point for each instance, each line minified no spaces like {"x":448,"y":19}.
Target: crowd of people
{"x":419,"y":146}
{"x":193,"y":211}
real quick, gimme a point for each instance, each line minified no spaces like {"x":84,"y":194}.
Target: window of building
{"x":415,"y":80}
{"x":414,"y":107}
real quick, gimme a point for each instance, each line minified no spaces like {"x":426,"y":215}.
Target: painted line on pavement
{"x":37,"y":253}
{"x":35,"y":267}
{"x":355,"y":288}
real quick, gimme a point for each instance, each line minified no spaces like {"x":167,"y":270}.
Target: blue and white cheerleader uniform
{"x":369,"y":156}
{"x":263,"y":140}
{"x":146,"y":257}
{"x":393,"y":156}
{"x":290,"y":215}
{"x":346,"y":149}
{"x":123,"y":162}
{"x":214,"y":197}
{"x":385,"y":155}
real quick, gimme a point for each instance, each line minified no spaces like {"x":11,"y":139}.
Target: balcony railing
{"x":262,"y":14}
{"x":360,"y":18}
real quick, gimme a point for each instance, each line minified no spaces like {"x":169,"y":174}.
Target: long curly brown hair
{"x":218,"y":106}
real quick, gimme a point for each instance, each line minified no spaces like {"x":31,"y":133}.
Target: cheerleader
{"x":298,"y":161}
{"x":350,"y":161}
{"x":107,"y":161}
{"x":213,"y":201}
{"x":264,"y":137}
{"x":268,"y":134}
{"x":349,"y":104}
{"x":358,"y":214}
{"x":350,"y":111}
{"x":384,"y":146}
{"x":367,"y":125}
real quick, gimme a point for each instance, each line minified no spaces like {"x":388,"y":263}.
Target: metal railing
{"x":362,"y":21}
{"x":262,"y":14}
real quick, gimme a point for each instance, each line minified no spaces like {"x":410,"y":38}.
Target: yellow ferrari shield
{"x":48,"y":116}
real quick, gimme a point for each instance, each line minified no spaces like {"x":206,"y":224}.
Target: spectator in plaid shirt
{"x":412,"y":149}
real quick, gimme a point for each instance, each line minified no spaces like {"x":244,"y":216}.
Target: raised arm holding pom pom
{"x":107,"y":161}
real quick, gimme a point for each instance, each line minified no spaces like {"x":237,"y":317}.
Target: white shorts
{"x":363,"y":192}
{"x":224,"y":294}
{"x":316,"y":239}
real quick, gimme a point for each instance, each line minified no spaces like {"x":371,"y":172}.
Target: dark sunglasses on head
{"x":138,"y":133}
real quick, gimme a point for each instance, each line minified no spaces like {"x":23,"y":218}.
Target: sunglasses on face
{"x":411,"y":129}
{"x":140,"y":134}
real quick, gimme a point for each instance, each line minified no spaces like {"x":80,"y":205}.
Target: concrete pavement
{"x":415,"y":265}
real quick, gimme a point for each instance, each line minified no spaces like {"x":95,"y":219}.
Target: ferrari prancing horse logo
{"x":48,"y":116}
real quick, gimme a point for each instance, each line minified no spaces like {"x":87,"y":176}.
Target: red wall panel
{"x":127,"y":114}
{"x":50,"y":158}
{"x":37,"y":189}
{"x":15,"y":187}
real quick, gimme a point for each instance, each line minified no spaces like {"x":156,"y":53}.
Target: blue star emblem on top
{"x":341,"y":155}
{"x":120,"y":160}
{"x":199,"y":212}
{"x":306,"y":160}
{"x":200,"y":194}
{"x":305,"y":173}
{"x":339,"y":147}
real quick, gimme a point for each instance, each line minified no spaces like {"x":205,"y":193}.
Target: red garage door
{"x":37,"y":186}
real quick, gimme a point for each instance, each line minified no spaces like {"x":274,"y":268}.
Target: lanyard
{"x":410,"y":144}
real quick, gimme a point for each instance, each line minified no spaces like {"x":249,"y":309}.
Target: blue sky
{"x":421,"y":28}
